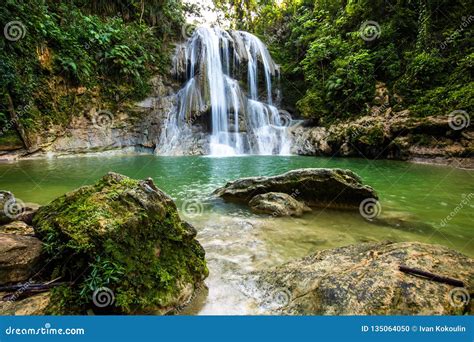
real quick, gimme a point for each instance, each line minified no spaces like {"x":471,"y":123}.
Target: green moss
{"x":121,"y":235}
{"x":373,"y":135}
{"x":62,"y":302}
{"x":11,"y":140}
{"x":75,"y":55}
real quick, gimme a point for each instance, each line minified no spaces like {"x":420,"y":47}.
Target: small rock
{"x":18,"y":228}
{"x":277,"y":204}
{"x":35,"y":305}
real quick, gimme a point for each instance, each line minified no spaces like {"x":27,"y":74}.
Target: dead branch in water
{"x":26,"y":290}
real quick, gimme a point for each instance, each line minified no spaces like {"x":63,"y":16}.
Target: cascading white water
{"x":212,"y":62}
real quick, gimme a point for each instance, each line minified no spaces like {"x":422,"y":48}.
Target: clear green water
{"x":415,"y":199}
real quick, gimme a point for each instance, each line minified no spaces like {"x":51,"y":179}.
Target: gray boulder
{"x":328,"y":188}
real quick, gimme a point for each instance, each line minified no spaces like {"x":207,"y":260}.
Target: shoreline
{"x":455,"y":162}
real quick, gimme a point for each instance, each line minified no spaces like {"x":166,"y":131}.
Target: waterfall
{"x":227,"y":80}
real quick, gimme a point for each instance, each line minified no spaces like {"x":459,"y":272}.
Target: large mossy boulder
{"x":365,"y":279}
{"x":122,"y":238}
{"x":333,"y":188}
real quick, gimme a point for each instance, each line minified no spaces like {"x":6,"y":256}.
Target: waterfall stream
{"x":228,"y":82}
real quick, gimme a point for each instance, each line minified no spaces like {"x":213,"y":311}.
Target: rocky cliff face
{"x":383,"y":134}
{"x":98,"y":128}
{"x":390,"y":134}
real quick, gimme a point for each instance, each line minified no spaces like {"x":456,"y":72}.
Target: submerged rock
{"x":364,"y":279}
{"x":329,"y":188}
{"x":122,"y":238}
{"x":277,"y":204}
{"x":19,"y":257}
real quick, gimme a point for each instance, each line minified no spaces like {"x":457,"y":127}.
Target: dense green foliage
{"x":72,"y":53}
{"x":422,"y":49}
{"x":63,"y":53}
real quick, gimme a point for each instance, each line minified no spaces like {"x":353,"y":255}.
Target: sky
{"x":209,"y":17}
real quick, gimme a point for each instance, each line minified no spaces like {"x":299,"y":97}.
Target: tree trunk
{"x":19,"y":127}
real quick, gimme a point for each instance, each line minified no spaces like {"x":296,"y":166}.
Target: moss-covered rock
{"x":124,"y":235}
